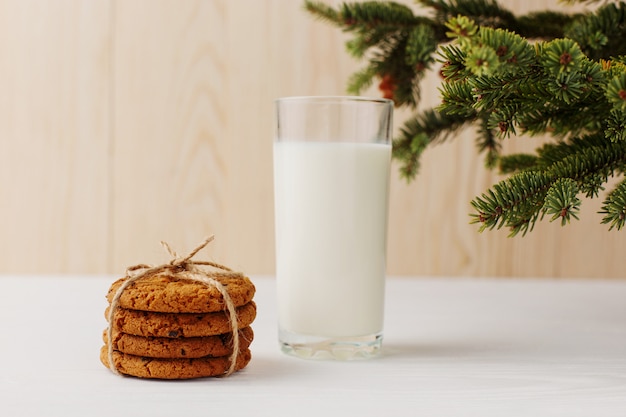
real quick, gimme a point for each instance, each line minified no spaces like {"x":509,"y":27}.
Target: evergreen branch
{"x":421,"y":131}
{"x":403,"y":44}
{"x":616,"y":126}
{"x":514,"y":202}
{"x":509,"y":164}
{"x":552,"y":153}
{"x":362,"y":80}
{"x":614,"y":208}
{"x":483,"y":12}
{"x":488,"y":13}
{"x":601,"y":34}
{"x":324,"y":12}
{"x":591,"y":166}
{"x":377,"y":13}
{"x":487,"y":142}
{"x":502,"y":119}
{"x":394,"y":64}
{"x":517,"y":201}
{"x":565,"y":85}
{"x":616,"y":92}
{"x":544,"y":24}
{"x":421,"y":45}
{"x":561,"y":201}
{"x":555,"y":74}
{"x":365,"y":15}
{"x":453,"y":60}
{"x":457,"y":99}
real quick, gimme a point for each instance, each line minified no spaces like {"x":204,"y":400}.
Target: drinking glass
{"x":331,"y":186}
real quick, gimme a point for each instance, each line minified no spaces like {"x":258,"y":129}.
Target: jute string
{"x":187,"y":269}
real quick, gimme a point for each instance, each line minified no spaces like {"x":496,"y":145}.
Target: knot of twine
{"x":185,"y":268}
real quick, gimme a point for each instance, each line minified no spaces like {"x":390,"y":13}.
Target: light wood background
{"x":128,"y":122}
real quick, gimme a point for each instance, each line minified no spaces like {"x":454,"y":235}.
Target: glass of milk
{"x":331,"y":184}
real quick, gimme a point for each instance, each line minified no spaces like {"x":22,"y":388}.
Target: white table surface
{"x":453,"y":347}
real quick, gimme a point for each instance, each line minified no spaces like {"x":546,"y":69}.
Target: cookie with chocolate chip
{"x":168,"y":326}
{"x":155,"y":324}
{"x":167,"y":293}
{"x":157,"y":368}
{"x":182,"y":347}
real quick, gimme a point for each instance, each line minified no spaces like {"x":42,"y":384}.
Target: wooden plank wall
{"x":123,"y":123}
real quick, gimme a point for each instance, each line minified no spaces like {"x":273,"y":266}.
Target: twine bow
{"x":185,"y":268}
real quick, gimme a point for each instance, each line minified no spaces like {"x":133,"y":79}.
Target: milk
{"x":331,"y":215}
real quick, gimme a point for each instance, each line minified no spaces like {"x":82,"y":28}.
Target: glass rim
{"x":334,"y":99}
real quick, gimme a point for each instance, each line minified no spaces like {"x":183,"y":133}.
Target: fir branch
{"x":552,"y":153}
{"x":616,"y":126}
{"x":535,"y":25}
{"x":555,"y":74}
{"x":364,"y":15}
{"x":614,"y":208}
{"x":421,"y":45}
{"x":457,"y":99}
{"x":509,"y":164}
{"x":561,"y":201}
{"x":453,"y":60}
{"x":565,"y":85}
{"x":591,"y":166}
{"x":362,"y":80}
{"x":601,"y":34}
{"x":421,"y":131}
{"x":406,"y":91}
{"x":377,"y":13}
{"x":323,"y":12}
{"x":514,"y":203}
{"x":616,"y":92}
{"x":502,"y":119}
{"x":483,"y":12}
{"x":544,"y":25}
{"x":486,"y":142}
{"x":518,"y":201}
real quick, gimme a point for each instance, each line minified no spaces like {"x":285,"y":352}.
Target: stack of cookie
{"x":171,"y":328}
